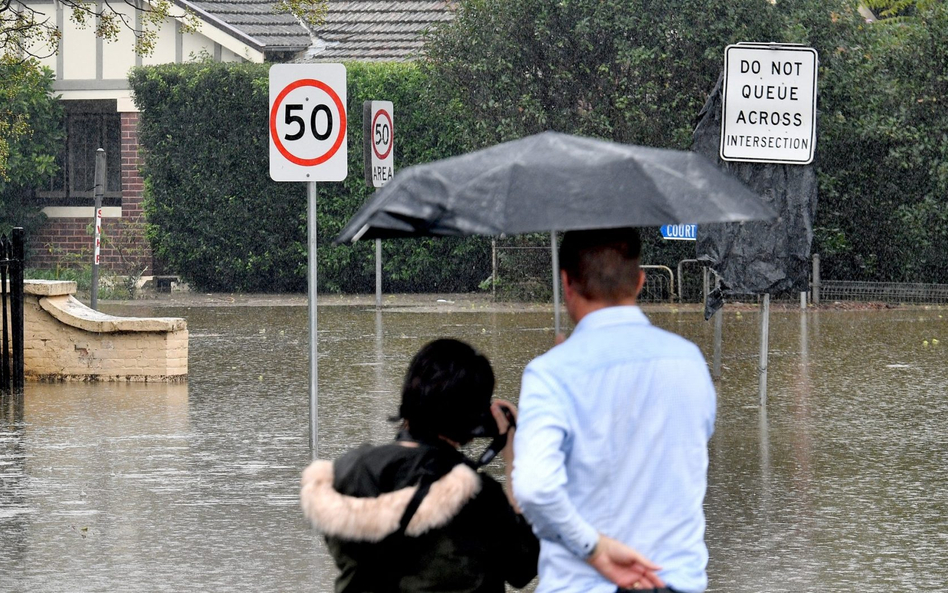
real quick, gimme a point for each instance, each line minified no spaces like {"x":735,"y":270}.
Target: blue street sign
{"x":680,"y":232}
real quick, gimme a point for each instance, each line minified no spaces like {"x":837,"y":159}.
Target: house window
{"x":90,"y":125}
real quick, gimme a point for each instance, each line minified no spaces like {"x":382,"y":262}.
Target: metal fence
{"x":11,"y":312}
{"x":886,"y":292}
{"x":659,"y":285}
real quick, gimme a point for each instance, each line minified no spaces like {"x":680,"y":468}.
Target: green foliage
{"x":633,"y":71}
{"x":30,"y":138}
{"x":213,"y":213}
{"x":884,"y":156}
{"x":216,"y":217}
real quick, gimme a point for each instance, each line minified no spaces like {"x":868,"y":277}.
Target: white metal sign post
{"x":308,"y":143}
{"x":769,"y":104}
{"x":378,"y":149}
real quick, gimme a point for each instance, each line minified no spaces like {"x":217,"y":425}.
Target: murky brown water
{"x":841,"y":486}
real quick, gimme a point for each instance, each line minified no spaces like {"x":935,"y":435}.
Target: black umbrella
{"x":554,"y":182}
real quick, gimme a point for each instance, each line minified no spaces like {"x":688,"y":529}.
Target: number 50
{"x":290,"y":118}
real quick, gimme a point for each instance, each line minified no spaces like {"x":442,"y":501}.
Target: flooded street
{"x":841,"y":484}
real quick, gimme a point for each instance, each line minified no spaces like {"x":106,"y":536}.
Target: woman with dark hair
{"x":415,"y":515}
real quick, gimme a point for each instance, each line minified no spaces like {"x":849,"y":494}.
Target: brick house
{"x":91,"y":79}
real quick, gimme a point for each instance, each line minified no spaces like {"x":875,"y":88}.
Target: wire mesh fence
{"x":886,"y":292}
{"x":524,"y":273}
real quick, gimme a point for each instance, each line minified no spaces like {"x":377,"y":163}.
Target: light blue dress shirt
{"x":612,"y":437}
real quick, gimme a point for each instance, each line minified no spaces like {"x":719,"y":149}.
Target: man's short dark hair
{"x":602,"y":264}
{"x":447,"y":391}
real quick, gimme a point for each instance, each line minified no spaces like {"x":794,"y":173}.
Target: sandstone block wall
{"x":67,"y":341}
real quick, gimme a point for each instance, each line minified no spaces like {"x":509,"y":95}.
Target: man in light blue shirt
{"x":612,"y":439}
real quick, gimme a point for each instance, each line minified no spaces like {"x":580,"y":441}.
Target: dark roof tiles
{"x":374,"y":30}
{"x":266,"y":28}
{"x":354,"y":29}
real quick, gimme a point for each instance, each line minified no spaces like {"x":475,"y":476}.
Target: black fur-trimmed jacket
{"x":464,"y":536}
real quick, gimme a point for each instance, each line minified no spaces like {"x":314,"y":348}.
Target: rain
{"x":821,"y":306}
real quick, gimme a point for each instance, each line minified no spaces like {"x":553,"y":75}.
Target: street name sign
{"x":769,"y":103}
{"x":680,"y":232}
{"x":378,"y":142}
{"x":308,"y":122}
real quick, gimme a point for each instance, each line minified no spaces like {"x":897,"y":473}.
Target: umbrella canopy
{"x":553,"y":181}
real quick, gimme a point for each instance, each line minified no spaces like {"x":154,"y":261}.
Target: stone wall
{"x":67,"y":341}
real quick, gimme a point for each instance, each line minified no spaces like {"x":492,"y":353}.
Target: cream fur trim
{"x":372,"y":519}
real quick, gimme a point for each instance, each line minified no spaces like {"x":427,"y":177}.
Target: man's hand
{"x":624,"y":566}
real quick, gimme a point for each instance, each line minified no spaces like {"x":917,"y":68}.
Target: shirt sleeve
{"x":541,"y":443}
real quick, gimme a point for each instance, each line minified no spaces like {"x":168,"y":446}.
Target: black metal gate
{"x":11,"y":312}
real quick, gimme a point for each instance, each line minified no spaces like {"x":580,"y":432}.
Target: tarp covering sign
{"x":754,"y":258}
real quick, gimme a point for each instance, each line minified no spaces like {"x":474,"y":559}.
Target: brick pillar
{"x":132,"y":189}
{"x":132,"y":182}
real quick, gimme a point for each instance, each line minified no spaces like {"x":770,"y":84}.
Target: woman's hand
{"x":503,"y":425}
{"x":507,"y":453}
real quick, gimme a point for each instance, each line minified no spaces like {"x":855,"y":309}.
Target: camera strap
{"x":423,"y":487}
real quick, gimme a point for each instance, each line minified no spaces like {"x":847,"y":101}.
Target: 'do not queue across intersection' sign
{"x":769,"y":104}
{"x":307,"y":122}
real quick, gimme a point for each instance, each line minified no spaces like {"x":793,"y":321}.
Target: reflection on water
{"x":840,"y":484}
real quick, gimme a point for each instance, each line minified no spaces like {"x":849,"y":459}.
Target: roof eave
{"x":227,"y":35}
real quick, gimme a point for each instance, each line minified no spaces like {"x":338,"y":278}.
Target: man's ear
{"x":564,"y":282}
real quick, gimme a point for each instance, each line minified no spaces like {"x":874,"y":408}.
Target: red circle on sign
{"x":391,"y":136}
{"x":342,"y":123}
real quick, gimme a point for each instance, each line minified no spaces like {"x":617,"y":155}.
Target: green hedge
{"x":216,"y":218}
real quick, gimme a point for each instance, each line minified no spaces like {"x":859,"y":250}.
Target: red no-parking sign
{"x":308,"y":122}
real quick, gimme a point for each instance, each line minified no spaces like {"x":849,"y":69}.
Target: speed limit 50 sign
{"x":308,"y":122}
{"x":379,"y":138}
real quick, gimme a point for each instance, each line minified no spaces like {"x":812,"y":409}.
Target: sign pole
{"x":378,"y":139}
{"x":378,"y":273}
{"x":718,"y":330}
{"x":764,"y":347}
{"x":313,"y":363}
{"x":99,"y":191}
{"x":308,"y":143}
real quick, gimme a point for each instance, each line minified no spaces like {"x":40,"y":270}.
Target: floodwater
{"x":840,"y":484}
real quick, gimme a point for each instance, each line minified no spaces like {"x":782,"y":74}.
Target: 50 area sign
{"x":308,"y":122}
{"x":379,"y":137}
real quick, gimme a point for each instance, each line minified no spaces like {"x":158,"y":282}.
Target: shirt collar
{"x":617,"y":315}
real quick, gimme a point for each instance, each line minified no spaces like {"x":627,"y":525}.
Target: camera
{"x":486,"y":425}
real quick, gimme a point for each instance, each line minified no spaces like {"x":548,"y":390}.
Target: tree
{"x":633,"y":71}
{"x":884,"y":192}
{"x":629,"y":70}
{"x":30,"y":137}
